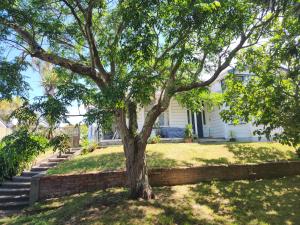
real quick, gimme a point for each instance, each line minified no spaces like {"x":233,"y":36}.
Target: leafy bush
{"x":188,"y":131}
{"x":61,"y":143}
{"x":84,"y":129}
{"x":154,"y":140}
{"x":18,"y":150}
{"x":298,"y":152}
{"x":88,"y":147}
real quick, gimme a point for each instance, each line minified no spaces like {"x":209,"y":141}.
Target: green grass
{"x":260,"y":202}
{"x":178,"y":155}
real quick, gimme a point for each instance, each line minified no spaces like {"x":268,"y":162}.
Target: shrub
{"x":18,"y":150}
{"x":61,"y":143}
{"x":154,"y":140}
{"x":88,"y":147}
{"x":188,"y":131}
{"x":298,"y":152}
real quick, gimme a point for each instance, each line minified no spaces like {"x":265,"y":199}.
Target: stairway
{"x":14,"y":194}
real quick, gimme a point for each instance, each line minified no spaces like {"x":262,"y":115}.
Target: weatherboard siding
{"x":178,"y":115}
{"x":216,"y":127}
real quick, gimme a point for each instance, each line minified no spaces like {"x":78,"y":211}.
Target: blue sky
{"x":33,"y":78}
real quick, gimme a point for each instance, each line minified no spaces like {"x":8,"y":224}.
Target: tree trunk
{"x":134,"y":149}
{"x":136,"y":168}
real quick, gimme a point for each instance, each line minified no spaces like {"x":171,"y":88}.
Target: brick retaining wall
{"x":43,"y":187}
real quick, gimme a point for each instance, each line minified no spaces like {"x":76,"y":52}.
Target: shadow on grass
{"x":157,"y":160}
{"x":247,"y":153}
{"x":111,"y":161}
{"x":106,"y":207}
{"x":252,"y":202}
{"x":240,"y":202}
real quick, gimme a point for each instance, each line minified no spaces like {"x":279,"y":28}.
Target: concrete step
{"x":69,"y":153}
{"x":14,"y":198}
{"x":48,"y":164}
{"x":208,"y":140}
{"x":56,"y":160}
{"x":21,"y":179}
{"x":13,"y":205}
{"x":39,"y":168}
{"x":13,"y":184}
{"x":29,"y":173}
{"x":14,"y":191}
{"x":63,"y":156}
{"x":110,"y":142}
{"x":4,"y":213}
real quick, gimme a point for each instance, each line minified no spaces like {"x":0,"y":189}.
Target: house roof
{"x":2,"y":123}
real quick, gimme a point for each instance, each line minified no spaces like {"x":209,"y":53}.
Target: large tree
{"x":127,"y":50}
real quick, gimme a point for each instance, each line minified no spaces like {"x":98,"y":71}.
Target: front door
{"x":199,"y":125}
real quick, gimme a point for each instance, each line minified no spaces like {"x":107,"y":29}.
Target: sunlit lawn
{"x":240,"y":202}
{"x":178,"y":155}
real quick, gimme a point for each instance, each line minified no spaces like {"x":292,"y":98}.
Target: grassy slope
{"x":175,"y":155}
{"x":240,"y":202}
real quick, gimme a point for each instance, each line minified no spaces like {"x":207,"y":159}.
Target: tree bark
{"x":137,"y":171}
{"x":135,"y":153}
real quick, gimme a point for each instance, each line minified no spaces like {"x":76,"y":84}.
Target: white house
{"x":4,"y":129}
{"x":206,"y":124}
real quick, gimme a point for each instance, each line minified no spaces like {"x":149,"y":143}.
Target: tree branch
{"x":220,"y":68}
{"x":132,"y":116}
{"x":75,"y":16}
{"x":92,"y":43}
{"x":37,"y":51}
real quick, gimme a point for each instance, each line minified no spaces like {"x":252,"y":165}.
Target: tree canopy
{"x":12,"y":83}
{"x":271,"y":97}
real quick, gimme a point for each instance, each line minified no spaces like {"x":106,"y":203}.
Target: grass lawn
{"x":177,"y":155}
{"x":240,"y":202}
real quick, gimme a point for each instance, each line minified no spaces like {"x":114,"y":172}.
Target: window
{"x":163,"y":119}
{"x":223,"y":86}
{"x":240,"y":78}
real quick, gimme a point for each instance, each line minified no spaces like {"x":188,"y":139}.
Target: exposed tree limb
{"x":37,"y":51}
{"x":220,"y":68}
{"x":73,"y":11}
{"x":132,"y":116}
{"x":92,"y":43}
